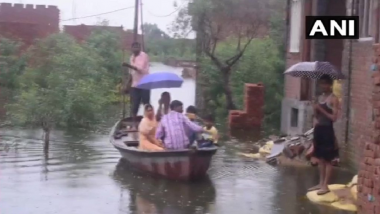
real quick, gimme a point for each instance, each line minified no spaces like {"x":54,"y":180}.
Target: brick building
{"x":82,"y":32}
{"x":25,"y":23}
{"x":28,"y":22}
{"x":353,"y":57}
{"x":358,"y":127}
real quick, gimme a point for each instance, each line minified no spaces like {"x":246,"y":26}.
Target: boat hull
{"x":177,"y":165}
{"x":185,"y":166}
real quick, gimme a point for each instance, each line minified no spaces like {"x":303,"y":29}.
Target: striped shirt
{"x":173,"y":129}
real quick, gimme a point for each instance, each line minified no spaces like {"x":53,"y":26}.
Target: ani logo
{"x":332,"y":27}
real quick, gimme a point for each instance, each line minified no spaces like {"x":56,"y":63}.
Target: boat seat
{"x":132,"y":143}
{"x":119,"y":134}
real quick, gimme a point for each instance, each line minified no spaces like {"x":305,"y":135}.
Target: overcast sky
{"x":152,"y":9}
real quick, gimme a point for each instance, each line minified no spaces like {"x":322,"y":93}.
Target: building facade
{"x":358,"y":126}
{"x":354,"y":57}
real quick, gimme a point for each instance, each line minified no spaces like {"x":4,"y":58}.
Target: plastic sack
{"x":344,"y":206}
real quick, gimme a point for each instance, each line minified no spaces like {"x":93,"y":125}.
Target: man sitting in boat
{"x":173,"y":128}
{"x":163,"y":105}
{"x":147,"y":131}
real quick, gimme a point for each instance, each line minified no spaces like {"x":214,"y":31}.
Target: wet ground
{"x":84,"y":174}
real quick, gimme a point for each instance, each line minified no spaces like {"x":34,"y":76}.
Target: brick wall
{"x":28,"y":22}
{"x":252,"y":116}
{"x":361,"y":113}
{"x":40,"y":14}
{"x":23,"y":32}
{"x":369,"y":173}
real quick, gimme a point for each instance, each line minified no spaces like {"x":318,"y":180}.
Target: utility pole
{"x":135,"y":37}
{"x":136,"y":24}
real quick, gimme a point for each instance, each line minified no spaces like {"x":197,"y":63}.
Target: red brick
{"x":369,"y":161}
{"x":369,"y":154}
{"x":28,"y":23}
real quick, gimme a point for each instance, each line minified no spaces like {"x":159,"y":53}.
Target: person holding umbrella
{"x":139,"y":67}
{"x":325,"y":146}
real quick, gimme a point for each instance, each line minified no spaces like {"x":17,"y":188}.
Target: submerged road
{"x":83,"y":173}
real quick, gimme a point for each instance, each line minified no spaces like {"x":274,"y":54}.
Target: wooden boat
{"x":163,"y":194}
{"x":187,"y":164}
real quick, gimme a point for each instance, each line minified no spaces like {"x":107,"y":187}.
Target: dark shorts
{"x":139,"y":96}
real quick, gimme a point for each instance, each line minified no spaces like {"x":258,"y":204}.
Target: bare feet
{"x":314,"y":188}
{"x":323,"y":191}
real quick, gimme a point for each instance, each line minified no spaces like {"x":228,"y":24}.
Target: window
{"x":295,"y":26}
{"x":366,"y":17}
{"x":294,"y":118}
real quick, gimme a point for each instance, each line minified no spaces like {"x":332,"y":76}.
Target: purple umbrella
{"x":314,"y":70}
{"x":160,"y":80}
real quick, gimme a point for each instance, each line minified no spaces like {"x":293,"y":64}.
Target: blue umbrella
{"x":160,"y":80}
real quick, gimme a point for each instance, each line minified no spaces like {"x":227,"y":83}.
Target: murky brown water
{"x":85,"y":175}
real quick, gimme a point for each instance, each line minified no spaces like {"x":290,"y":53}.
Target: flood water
{"x":83,"y":173}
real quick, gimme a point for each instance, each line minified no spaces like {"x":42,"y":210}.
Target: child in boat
{"x":210,"y":137}
{"x":191,"y":113}
{"x":163,"y":105}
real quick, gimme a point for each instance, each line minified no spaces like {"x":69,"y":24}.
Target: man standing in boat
{"x":138,"y":68}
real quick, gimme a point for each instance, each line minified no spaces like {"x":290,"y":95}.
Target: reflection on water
{"x":85,"y":175}
{"x":150,"y":195}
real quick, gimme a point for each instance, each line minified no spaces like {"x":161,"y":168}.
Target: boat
{"x":187,"y":164}
{"x":146,"y":193}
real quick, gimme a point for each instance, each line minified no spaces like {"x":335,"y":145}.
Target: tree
{"x":107,"y":45}
{"x":63,"y":86}
{"x":161,"y":46}
{"x":12,"y":63}
{"x":262,"y":62}
{"x":152,"y":31}
{"x":216,"y":21}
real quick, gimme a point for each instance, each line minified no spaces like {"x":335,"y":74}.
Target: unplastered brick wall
{"x":252,"y":115}
{"x":360,"y":127}
{"x":28,"y":22}
{"x":369,"y":171}
{"x":37,"y":14}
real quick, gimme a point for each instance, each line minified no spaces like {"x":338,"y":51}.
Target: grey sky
{"x":152,"y":8}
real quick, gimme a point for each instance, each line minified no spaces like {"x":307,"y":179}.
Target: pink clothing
{"x":141,"y":62}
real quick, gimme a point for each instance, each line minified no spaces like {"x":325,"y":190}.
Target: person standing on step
{"x":138,"y":68}
{"x":325,"y":143}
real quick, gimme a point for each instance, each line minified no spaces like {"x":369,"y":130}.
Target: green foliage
{"x":11,"y":63}
{"x":263,"y":63}
{"x":64,"y":84}
{"x":108,"y":47}
{"x":161,"y":46}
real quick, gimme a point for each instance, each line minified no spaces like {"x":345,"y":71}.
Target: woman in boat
{"x":147,"y":131}
{"x":163,"y":105}
{"x":325,"y":144}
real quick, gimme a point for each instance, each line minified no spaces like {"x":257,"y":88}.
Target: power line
{"x":162,"y":16}
{"x":90,"y":16}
